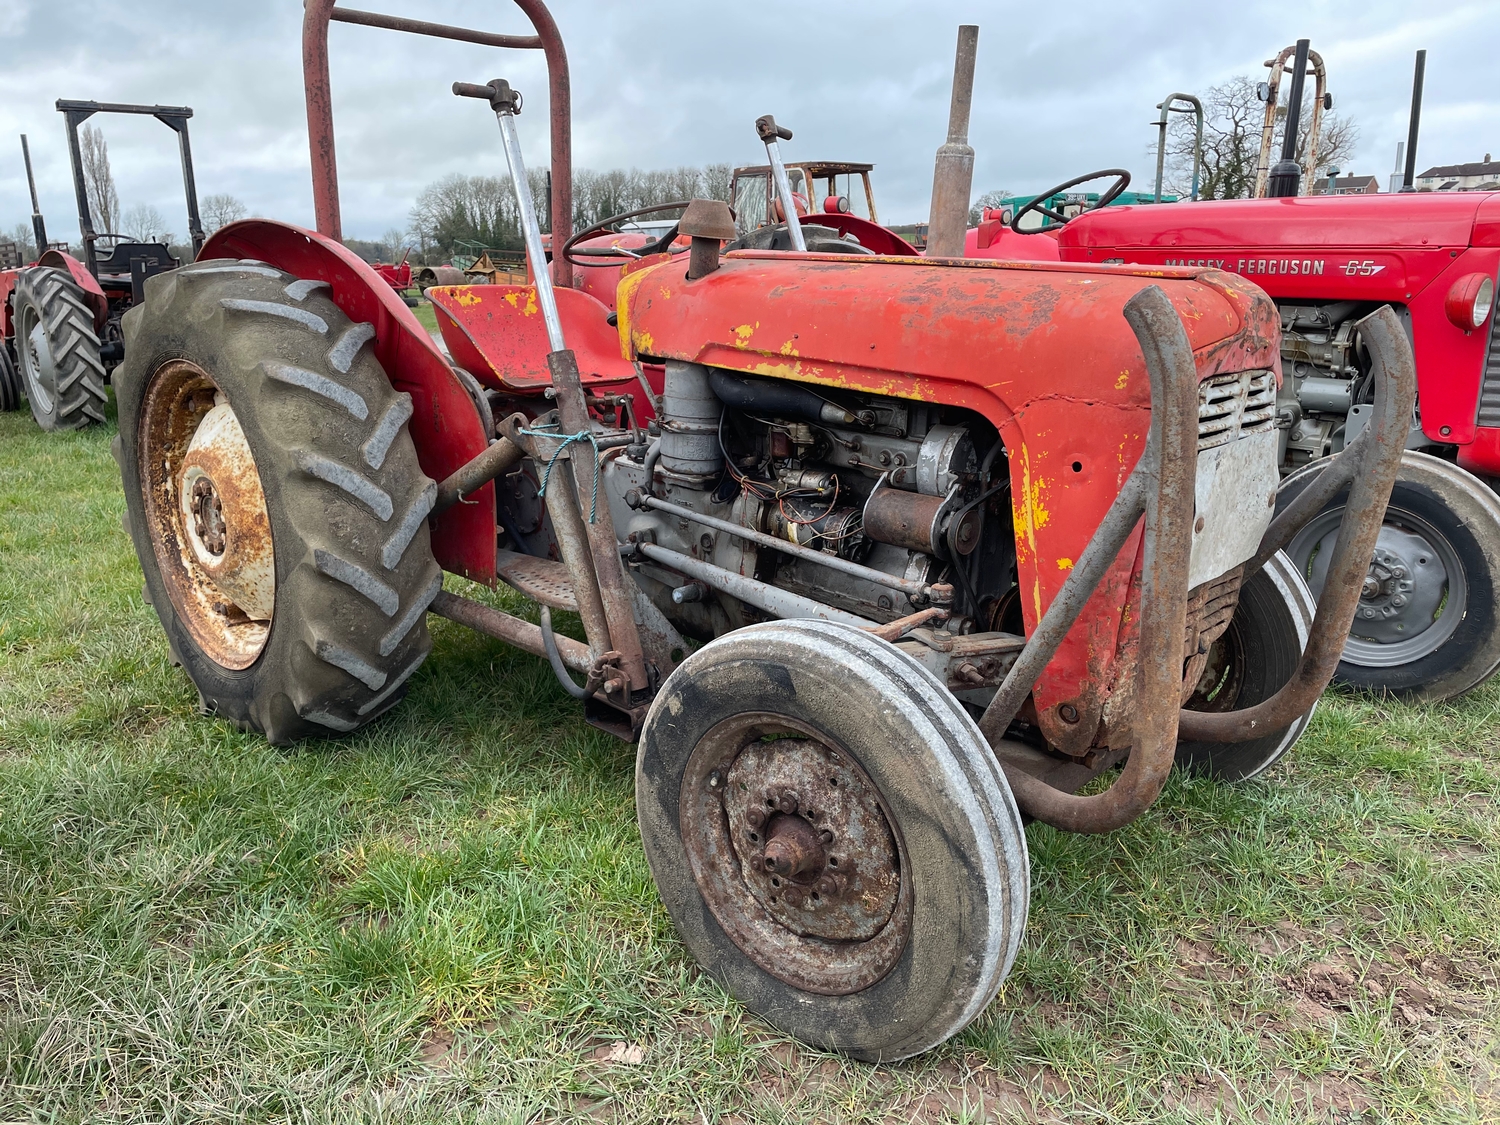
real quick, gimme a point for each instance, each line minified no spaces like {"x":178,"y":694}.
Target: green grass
{"x":448,"y":918}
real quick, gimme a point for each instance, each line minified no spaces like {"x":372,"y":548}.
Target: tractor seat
{"x":155,"y":258}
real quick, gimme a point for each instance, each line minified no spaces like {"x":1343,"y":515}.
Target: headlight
{"x":1470,"y":301}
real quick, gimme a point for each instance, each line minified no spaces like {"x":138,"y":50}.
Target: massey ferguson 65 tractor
{"x":875,"y":556}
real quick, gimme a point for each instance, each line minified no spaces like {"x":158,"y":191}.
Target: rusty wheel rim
{"x":206,"y":514}
{"x":796,"y":853}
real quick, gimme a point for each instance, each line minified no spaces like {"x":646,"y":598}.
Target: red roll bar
{"x":325,"y":172}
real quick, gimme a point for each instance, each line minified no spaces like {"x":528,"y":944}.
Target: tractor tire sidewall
{"x":10,"y":380}
{"x":1271,"y":625}
{"x":1466,"y":512}
{"x":79,"y":397}
{"x":962,"y":834}
{"x":183,"y":318}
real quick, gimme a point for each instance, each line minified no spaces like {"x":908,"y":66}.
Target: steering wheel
{"x":571,"y":253}
{"x":1122,"y":181}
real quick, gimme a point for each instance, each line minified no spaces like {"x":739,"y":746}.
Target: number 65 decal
{"x":1367,"y":268}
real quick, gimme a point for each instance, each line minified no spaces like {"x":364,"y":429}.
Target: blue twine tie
{"x":567,"y":440}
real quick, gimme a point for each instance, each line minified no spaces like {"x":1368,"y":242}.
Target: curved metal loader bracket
{"x":1369,"y":467}
{"x":1162,"y":487}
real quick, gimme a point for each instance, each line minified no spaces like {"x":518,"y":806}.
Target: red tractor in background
{"x":869,"y":570}
{"x":59,"y":317}
{"x":1428,"y":623}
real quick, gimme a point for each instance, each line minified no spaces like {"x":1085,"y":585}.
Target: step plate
{"x":542,"y":580}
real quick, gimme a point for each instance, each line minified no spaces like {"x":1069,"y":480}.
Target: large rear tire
{"x":1427,"y":627}
{"x":58,"y":351}
{"x":274,"y":498}
{"x":832,"y":837}
{"x":10,"y":380}
{"x":1251,"y":662}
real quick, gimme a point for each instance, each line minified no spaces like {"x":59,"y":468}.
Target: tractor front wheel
{"x":274,"y":498}
{"x":832,"y":837}
{"x":58,"y":350}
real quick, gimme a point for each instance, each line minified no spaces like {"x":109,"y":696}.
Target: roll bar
{"x":315,"y":77}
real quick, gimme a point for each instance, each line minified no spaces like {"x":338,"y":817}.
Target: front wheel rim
{"x":796,"y":853}
{"x":36,"y":357}
{"x":1415,"y":591}
{"x":206,"y":514}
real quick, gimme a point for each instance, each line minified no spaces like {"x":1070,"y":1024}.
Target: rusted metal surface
{"x":1166,"y":489}
{"x":953,"y":174}
{"x":1268,"y":129}
{"x":905,"y":519}
{"x":315,"y":76}
{"x":206,"y":515}
{"x":1371,"y":464}
{"x":794,"y":852}
{"x":498,"y":459}
{"x":544,"y":581}
{"x":894,"y":630}
{"x":510,"y":629}
{"x":444,"y":425}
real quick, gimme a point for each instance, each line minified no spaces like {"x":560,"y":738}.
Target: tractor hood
{"x":1414,"y":220}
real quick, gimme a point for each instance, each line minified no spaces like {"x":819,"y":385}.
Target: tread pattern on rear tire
{"x":79,"y":396}
{"x":10,"y":381}
{"x":349,"y":626}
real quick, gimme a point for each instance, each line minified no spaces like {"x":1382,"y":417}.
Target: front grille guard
{"x":1161,"y":488}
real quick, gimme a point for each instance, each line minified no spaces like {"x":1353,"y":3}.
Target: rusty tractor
{"x":875,"y":556}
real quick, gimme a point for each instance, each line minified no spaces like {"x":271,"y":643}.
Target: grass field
{"x":448,"y":918}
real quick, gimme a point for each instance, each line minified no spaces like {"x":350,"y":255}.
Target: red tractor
{"x":874,"y":556}
{"x":1427,"y":625}
{"x":60,"y":318}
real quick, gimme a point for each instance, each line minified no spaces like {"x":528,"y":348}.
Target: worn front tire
{"x":57,"y":350}
{"x":244,"y":377}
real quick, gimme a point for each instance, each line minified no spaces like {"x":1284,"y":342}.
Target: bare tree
{"x":104,"y":201}
{"x":21,"y":234}
{"x":144,"y":223}
{"x":988,"y":199}
{"x":221,"y":210}
{"x":716,"y":181}
{"x":1232,"y":122}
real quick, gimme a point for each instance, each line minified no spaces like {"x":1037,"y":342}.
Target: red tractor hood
{"x":1417,"y":220}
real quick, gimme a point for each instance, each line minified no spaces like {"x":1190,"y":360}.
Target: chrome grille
{"x":1489,"y":389}
{"x":1232,"y":405}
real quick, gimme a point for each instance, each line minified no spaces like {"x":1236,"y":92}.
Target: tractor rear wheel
{"x":58,"y":351}
{"x":1251,"y":662}
{"x":1427,"y":627}
{"x":275,"y":499}
{"x":10,"y":380}
{"x":832,"y":837}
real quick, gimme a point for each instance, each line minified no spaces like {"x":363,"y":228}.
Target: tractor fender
{"x":86,"y":281}
{"x":444,"y":425}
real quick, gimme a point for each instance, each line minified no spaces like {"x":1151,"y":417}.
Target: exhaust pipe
{"x":1286,"y":177}
{"x":38,"y":225}
{"x":953,"y":176}
{"x":1409,"y":175}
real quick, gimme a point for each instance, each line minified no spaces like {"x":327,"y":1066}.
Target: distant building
{"x":1347,"y":185}
{"x":1483,"y":175}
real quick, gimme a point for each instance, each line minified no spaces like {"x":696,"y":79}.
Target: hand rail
{"x":315,"y":77}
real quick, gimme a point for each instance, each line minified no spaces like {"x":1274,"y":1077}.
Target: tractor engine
{"x":901,"y":487}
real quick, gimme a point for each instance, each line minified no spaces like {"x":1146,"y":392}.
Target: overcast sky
{"x":1061,"y":88}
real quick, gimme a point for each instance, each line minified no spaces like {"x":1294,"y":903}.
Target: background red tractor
{"x":1428,"y":626}
{"x":868,"y":571}
{"x":59,"y":317}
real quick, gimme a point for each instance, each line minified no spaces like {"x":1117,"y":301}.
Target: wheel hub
{"x":1403,"y":590}
{"x":812,"y":842}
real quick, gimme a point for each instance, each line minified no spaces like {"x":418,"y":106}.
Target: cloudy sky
{"x":1061,"y":89}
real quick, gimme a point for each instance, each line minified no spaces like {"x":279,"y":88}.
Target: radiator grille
{"x":1489,"y":390}
{"x":1232,"y":405}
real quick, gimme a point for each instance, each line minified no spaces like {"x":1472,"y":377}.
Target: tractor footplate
{"x":542,"y":580}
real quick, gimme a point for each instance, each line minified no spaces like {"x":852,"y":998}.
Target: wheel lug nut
{"x":826,"y":836}
{"x":828,"y":886}
{"x":788,"y":802}
{"x":756,"y":817}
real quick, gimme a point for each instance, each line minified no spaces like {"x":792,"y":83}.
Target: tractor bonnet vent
{"x":1233,"y":405}
{"x":1489,"y":390}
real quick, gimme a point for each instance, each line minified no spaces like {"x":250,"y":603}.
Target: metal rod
{"x":508,"y":628}
{"x":1294,"y":102}
{"x":436,"y":30}
{"x":38,"y":224}
{"x":1168,"y":107}
{"x":776,"y":602}
{"x":953,"y":169}
{"x":769,"y":131}
{"x":1377,"y":460}
{"x":530,"y":230}
{"x":1171,"y":464}
{"x":80,"y":188}
{"x":1418,"y":75}
{"x":178,"y":123}
{"x":499,"y":458}
{"x":912,"y":589}
{"x":574,"y":546}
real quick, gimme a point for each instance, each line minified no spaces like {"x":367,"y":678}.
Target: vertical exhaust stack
{"x":953,"y":176}
{"x":1286,"y":177}
{"x":38,"y":226}
{"x":1416,"y":120}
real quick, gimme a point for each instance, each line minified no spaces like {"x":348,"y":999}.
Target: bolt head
{"x":756,"y":817}
{"x":1067,"y":713}
{"x":828,"y":886}
{"x":788,"y":802}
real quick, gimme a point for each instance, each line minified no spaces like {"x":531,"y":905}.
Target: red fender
{"x":86,"y":281}
{"x":444,"y":426}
